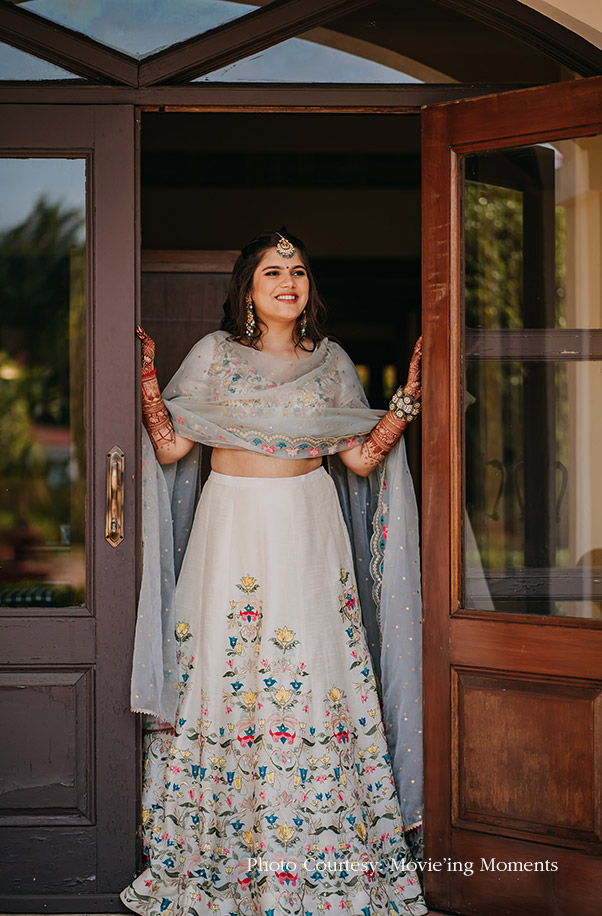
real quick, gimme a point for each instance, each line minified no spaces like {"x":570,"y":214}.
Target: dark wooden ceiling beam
{"x":61,"y":46}
{"x":401,"y":99}
{"x":235,"y":40}
{"x":537,"y":30}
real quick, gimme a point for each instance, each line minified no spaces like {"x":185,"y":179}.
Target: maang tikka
{"x":285,"y":248}
{"x":250,"y":322}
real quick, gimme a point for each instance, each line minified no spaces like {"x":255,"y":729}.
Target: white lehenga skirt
{"x":274,"y":795}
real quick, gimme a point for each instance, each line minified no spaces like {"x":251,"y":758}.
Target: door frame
{"x":438,"y":467}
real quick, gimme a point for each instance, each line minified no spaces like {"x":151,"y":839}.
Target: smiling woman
{"x":278,"y":745}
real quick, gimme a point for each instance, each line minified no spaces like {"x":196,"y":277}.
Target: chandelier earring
{"x":250,"y":322}
{"x":304,"y":325}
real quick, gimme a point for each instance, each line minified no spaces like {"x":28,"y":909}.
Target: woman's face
{"x":280,"y":288}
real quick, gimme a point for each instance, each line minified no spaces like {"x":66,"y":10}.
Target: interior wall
{"x":349,"y":185}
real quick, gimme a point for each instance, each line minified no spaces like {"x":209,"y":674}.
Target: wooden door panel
{"x":512,"y":688}
{"x":62,"y":862}
{"x":57,"y":744}
{"x":510,"y":876}
{"x":182,"y":296}
{"x":513,"y":772}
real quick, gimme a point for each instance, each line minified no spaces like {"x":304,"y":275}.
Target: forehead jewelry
{"x":285,"y":248}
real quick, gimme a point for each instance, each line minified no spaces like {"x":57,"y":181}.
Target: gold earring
{"x":303,"y":325}
{"x":250,"y":322}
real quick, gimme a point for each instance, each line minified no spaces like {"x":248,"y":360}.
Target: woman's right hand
{"x":148,"y":350}
{"x":413,"y":386}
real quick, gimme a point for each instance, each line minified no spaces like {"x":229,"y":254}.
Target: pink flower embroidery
{"x":181,"y":420}
{"x":351,"y":443}
{"x":314,"y":452}
{"x":385,"y":531}
{"x":269,"y":448}
{"x":285,"y":877}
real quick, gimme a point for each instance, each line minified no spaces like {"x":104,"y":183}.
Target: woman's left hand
{"x":413,"y":386}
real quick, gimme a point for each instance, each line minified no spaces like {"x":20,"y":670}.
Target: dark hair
{"x":235,"y":307}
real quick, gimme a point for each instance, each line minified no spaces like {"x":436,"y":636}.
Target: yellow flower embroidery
{"x":182,"y":629}
{"x":335,"y":694}
{"x":247,"y":582}
{"x":284,"y":635}
{"x":286,"y":833}
{"x":250,"y":697}
{"x":282,"y":696}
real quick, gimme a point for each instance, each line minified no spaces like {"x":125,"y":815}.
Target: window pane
{"x":308,"y":61}
{"x":17,"y":65}
{"x":141,"y":27}
{"x":533,"y":347}
{"x":532,"y":223}
{"x":533,"y":491}
{"x":42,"y":382}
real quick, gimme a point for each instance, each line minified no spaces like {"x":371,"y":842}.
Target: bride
{"x":276,"y":789}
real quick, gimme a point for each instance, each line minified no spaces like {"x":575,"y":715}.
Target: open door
{"x":67,"y":504}
{"x":512,"y":522}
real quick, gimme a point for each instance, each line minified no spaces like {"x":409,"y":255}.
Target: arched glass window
{"x":17,"y":65}
{"x":140,"y":27}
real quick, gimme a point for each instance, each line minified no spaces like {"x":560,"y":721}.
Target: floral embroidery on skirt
{"x":273,"y":795}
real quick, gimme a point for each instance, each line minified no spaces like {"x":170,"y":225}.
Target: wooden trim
{"x":534,"y":344}
{"x":501,"y":124}
{"x":64,"y":47}
{"x":258,"y":30}
{"x":476,"y":642}
{"x":436,"y":488}
{"x":408,"y":97}
{"x":571,"y":583}
{"x":61,"y":903}
{"x":189,"y":262}
{"x":534,"y":28}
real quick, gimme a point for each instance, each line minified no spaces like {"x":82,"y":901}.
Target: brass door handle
{"x":115,"y":482}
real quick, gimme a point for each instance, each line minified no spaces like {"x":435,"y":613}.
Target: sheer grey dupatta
{"x":169,"y":498}
{"x":382,"y":519}
{"x":380,"y":512}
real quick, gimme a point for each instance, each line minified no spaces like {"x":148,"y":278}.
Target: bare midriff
{"x":243,"y":463}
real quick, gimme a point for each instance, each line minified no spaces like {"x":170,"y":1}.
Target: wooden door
{"x":68,"y":360}
{"x":512,"y":543}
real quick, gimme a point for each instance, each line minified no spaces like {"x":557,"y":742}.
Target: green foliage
{"x":35,"y":297}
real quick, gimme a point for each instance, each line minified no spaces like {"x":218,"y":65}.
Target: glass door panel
{"x":67,"y":395}
{"x":533,"y":384}
{"x":42,"y":382}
